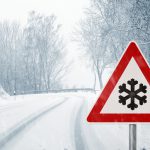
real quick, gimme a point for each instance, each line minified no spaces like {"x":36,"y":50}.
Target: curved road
{"x":51,"y":129}
{"x":64,"y":127}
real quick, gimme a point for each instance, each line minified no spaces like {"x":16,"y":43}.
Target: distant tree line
{"x":107,"y":29}
{"x":31,"y":56}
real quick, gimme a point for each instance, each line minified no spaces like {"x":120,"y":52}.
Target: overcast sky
{"x":68,"y":12}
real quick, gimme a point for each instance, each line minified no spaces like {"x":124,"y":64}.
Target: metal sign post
{"x":132,"y":137}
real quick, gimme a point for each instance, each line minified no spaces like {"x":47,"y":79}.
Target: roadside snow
{"x":3,"y":93}
{"x":19,"y":107}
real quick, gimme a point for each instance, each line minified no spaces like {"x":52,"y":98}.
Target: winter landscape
{"x":55,"y":59}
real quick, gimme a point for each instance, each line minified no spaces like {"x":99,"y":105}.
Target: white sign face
{"x":113,"y":105}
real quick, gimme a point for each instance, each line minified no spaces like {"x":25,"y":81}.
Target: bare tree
{"x":10,"y":35}
{"x":44,"y":48}
{"x":139,"y":19}
{"x":109,"y":26}
{"x":31,"y":58}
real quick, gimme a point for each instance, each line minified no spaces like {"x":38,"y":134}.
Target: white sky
{"x":69,"y":12}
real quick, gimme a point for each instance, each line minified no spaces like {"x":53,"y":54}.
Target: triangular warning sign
{"x":126,"y":96}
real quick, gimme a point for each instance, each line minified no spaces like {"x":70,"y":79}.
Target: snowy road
{"x":52,"y":128}
{"x":59,"y":123}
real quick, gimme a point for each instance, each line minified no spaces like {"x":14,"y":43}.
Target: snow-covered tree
{"x":109,"y":26}
{"x":10,"y":58}
{"x":43,"y":49}
{"x":31,"y":58}
{"x":139,"y":19}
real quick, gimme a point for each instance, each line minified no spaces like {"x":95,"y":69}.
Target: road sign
{"x":126,"y":96}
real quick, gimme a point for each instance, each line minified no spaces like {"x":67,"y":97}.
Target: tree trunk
{"x":94,"y":84}
{"x":99,"y":72}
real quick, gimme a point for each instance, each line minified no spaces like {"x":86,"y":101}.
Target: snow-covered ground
{"x":15,"y":109}
{"x":58,"y":122}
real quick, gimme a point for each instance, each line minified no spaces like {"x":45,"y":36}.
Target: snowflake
{"x":132,"y":94}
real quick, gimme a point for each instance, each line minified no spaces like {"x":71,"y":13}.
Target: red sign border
{"x":132,"y":51}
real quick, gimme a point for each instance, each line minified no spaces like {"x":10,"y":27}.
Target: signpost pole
{"x":132,"y":136}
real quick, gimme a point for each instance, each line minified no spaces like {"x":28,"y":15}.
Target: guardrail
{"x":57,"y":91}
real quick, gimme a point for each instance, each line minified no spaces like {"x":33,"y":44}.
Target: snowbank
{"x":3,"y":93}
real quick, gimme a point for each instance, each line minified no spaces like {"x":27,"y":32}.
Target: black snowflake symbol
{"x":132,"y":94}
